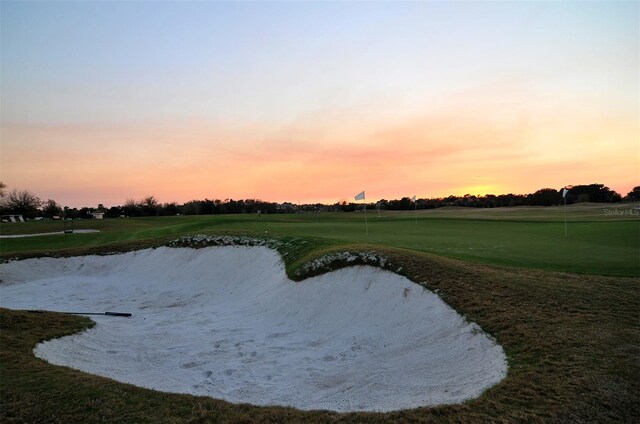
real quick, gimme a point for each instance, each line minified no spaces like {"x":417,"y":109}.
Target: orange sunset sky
{"x":314,"y":102}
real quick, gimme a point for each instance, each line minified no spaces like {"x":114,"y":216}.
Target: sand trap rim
{"x":330,"y":313}
{"x":322,"y":263}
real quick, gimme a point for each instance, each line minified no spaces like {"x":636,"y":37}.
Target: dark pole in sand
{"x":111,"y":314}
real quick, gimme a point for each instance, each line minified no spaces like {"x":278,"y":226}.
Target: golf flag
{"x":566,"y":190}
{"x":360,"y":196}
{"x":413,"y":199}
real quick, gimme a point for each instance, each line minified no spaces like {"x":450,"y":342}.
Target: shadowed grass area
{"x":521,"y":237}
{"x":572,"y":342}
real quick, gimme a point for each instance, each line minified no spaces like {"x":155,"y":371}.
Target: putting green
{"x":600,"y":239}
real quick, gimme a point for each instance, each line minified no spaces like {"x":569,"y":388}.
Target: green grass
{"x":572,"y":340}
{"x":520,"y":237}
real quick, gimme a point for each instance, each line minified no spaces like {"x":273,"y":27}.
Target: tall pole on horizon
{"x":415,"y":208}
{"x":366,"y":224}
{"x":565,"y":190}
{"x":565,"y":216}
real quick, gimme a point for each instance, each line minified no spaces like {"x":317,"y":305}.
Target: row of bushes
{"x":30,"y":206}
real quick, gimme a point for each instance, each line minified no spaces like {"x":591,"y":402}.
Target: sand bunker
{"x":54,"y":233}
{"x":226,"y":322}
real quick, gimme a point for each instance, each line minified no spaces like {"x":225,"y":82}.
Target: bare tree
{"x":150,"y":206}
{"x":3,"y":192}
{"x":150,"y":202}
{"x":132,"y":207}
{"x":23,"y":202}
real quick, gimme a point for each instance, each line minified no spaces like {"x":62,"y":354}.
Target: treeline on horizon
{"x":30,"y":206}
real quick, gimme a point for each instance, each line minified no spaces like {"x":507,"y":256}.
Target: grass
{"x":572,"y":340}
{"x":527,"y":237}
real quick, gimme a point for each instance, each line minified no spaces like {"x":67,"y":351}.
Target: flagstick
{"x":415,"y":211}
{"x":366,"y":225}
{"x":565,"y":215}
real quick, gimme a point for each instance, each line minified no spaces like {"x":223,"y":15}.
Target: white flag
{"x":360,"y":196}
{"x":413,"y":199}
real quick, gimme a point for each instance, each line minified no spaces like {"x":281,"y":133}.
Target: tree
{"x":23,"y":202}
{"x":51,"y":208}
{"x":71,"y":213}
{"x":192,"y":207}
{"x":2,"y":189}
{"x":114,"y":212}
{"x":633,"y":195}
{"x":132,"y":208}
{"x":545,"y":197}
{"x":405,"y":204}
{"x":170,"y":208}
{"x":150,"y":206}
{"x":597,"y":193}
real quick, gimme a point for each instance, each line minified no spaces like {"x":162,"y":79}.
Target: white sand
{"x":226,"y":322}
{"x":47,"y":234}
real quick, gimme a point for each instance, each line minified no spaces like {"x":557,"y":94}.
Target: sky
{"x":316,"y":101}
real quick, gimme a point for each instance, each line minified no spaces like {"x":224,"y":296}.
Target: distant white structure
{"x":12,"y":218}
{"x":97,"y":215}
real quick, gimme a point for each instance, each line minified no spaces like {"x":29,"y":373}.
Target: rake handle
{"x":112,"y":314}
